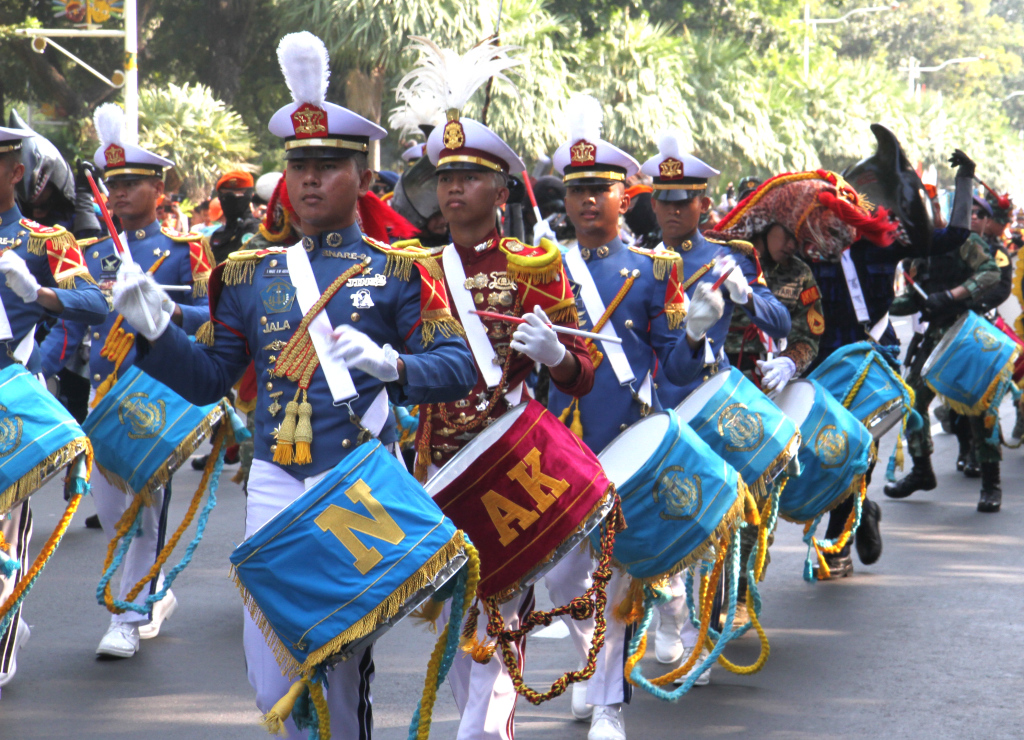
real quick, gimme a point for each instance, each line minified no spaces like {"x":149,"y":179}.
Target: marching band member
{"x":44,"y":275}
{"x":134,"y":178}
{"x":393,"y":336}
{"x":501,"y":275}
{"x":633,"y":294}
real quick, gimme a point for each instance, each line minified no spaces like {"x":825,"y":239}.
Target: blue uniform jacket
{"x":84,"y":303}
{"x":255,"y":316}
{"x":766,"y":313}
{"x":182,"y":265}
{"x":641,"y":322}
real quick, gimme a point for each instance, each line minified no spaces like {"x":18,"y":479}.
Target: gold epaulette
{"x":60,"y":239}
{"x":240,"y":266}
{"x":736,"y":245}
{"x":91,"y":241}
{"x":540,"y":264}
{"x":176,"y":236}
{"x":663,"y":260}
{"x":403,"y":255}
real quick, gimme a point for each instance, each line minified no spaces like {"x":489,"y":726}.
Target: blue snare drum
{"x":968,"y":364}
{"x":678,"y":496}
{"x":835,"y":452}
{"x":881,"y":398}
{"x":347,"y":559}
{"x":743,"y":427}
{"x":143,"y":431}
{"x":38,"y":437}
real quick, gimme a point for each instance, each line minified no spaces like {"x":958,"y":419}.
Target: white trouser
{"x":676,"y":611}
{"x":348,"y":694}
{"x":111,"y":502}
{"x":569,"y":579}
{"x":17,"y":529}
{"x":483,"y":692}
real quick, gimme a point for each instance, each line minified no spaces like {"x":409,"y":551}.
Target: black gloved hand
{"x":937,"y":305}
{"x":81,"y":181}
{"x":963,"y":163}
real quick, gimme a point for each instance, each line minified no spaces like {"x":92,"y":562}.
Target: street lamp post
{"x":810,"y":23}
{"x":913,"y":68}
{"x":1014,"y":94}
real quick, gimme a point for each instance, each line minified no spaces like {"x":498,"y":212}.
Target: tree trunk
{"x":364,"y":94}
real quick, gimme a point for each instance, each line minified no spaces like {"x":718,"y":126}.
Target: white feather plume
{"x":306,"y":67}
{"x":417,"y":107}
{"x":109,"y":120}
{"x":585,"y":117}
{"x":453,"y":78}
{"x":668,"y":144}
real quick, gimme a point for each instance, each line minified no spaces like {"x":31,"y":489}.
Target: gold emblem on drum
{"x":146,"y":418}
{"x":681,"y":494}
{"x":832,"y":447}
{"x":742,"y":428}
{"x":986,"y":340}
{"x":344,"y":523}
{"x":10,"y":432}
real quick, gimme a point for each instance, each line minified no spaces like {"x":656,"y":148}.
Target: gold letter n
{"x":343,"y":524}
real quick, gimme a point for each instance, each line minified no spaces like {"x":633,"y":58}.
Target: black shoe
{"x":199,"y":463}
{"x":920,"y":478}
{"x":93,"y":522}
{"x":971,"y":467}
{"x":961,"y":461}
{"x":839,"y":566}
{"x":869,"y":537}
{"x":991,"y":493}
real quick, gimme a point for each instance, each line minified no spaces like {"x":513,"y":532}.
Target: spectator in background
{"x":235,"y":191}
{"x":384,"y":184}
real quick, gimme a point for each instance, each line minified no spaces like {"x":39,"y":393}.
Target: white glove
{"x":19,"y":279}
{"x":358,"y":351}
{"x":706,"y":308}
{"x":543,"y":231}
{"x":139,"y":299}
{"x":776,"y":373}
{"x":537,"y":340}
{"x":737,"y":286}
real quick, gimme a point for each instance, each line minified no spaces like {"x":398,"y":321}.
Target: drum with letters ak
{"x":526,"y":490}
{"x":345,"y":561}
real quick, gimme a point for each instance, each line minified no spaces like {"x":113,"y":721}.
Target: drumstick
{"x":727,"y":273}
{"x":554,"y":327}
{"x":175,"y":287}
{"x":533,"y":198}
{"x":915,"y":286}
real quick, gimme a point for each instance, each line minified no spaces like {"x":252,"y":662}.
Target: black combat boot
{"x":920,"y":478}
{"x":971,"y":467}
{"x":869,"y":537}
{"x":991,"y":493}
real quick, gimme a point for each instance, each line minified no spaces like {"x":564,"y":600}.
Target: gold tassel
{"x":284,"y":454}
{"x":675,"y":317}
{"x":596,"y":355}
{"x":304,"y":433}
{"x":273,"y":721}
{"x":577,"y":425}
{"x":899,"y":451}
{"x":428,"y":613}
{"x":103,"y":389}
{"x":204,"y":334}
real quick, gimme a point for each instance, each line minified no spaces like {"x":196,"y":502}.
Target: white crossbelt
{"x":476,"y":332}
{"x":860,"y":306}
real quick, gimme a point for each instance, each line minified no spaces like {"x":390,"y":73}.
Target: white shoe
{"x":121,"y":640}
{"x":580,"y":709}
{"x":162,"y":610}
{"x":668,"y":645}
{"x":704,"y":679}
{"x":608,"y":723}
{"x":20,"y":639}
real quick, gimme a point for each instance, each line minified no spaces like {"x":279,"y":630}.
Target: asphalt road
{"x":924,"y":644}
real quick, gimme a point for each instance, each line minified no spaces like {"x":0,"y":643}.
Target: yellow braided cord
{"x":857,"y":386}
{"x":758,"y":664}
{"x":4,"y":544}
{"x":323,"y":712}
{"x":843,"y":538}
{"x":123,"y":526}
{"x":763,"y":531}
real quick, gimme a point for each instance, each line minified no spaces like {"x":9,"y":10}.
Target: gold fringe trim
{"x":59,"y":242}
{"x":759,"y":488}
{"x":43,"y":471}
{"x":564,"y":312}
{"x":663,"y":264}
{"x":447,"y":325}
{"x":205,"y":334}
{"x":534,"y":275}
{"x":291,"y":669}
{"x":200,"y":287}
{"x":986,"y":400}
{"x":237,"y":272}
{"x":400,"y":265}
{"x":68,"y":283}
{"x":855,"y":487}
{"x":675,"y":316}
{"x":176,"y":459}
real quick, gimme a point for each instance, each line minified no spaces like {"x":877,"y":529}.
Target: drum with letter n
{"x":969,"y":364}
{"x":835,"y":453}
{"x":336,"y":568}
{"x":744,"y":427}
{"x":526,"y":490}
{"x":679,"y":498}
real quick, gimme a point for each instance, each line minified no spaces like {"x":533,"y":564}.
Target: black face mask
{"x":640,"y":218}
{"x":235,"y":203}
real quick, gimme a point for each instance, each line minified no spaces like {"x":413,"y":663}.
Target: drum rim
{"x":724,"y":373}
{"x":665,"y":412}
{"x":947,"y":339}
{"x":815,"y":386}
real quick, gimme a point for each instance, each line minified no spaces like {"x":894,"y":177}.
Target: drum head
{"x":947,"y":339}
{"x":796,"y":400}
{"x":477,"y":446}
{"x":628,"y":452}
{"x":693,"y":403}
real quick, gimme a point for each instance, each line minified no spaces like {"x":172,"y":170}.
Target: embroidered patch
{"x":810,"y":295}
{"x":278,"y":297}
{"x":362,"y":299}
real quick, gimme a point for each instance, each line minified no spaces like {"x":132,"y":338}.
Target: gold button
{"x":273,"y":263}
{"x":628,"y":324}
{"x":272,"y":358}
{"x":140,"y":234}
{"x":97,"y":377}
{"x":95,"y":335}
{"x":655,"y":386}
{"x":270,"y":386}
{"x":346,"y":443}
{"x":623,"y":427}
{"x":17,"y":242}
{"x":263,"y":320}
{"x":273,"y":449}
{"x":706,"y":377}
{"x":95,"y":254}
{"x":437,"y":454}
{"x":354,"y":317}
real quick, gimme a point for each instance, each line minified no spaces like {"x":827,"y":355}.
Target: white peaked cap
{"x":118,"y":158}
{"x":586,"y":158}
{"x":677,"y":175}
